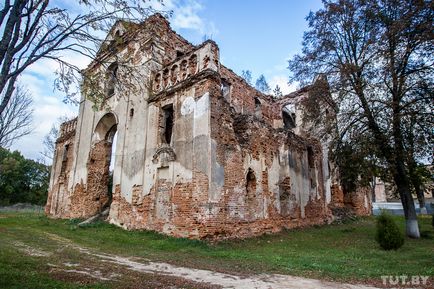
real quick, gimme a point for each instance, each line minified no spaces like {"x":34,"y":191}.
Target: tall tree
{"x":22,"y":180}
{"x":377,"y":56}
{"x":277,"y":91}
{"x":262,"y":84}
{"x":16,"y":119}
{"x":247,"y":75}
{"x":40,"y":29}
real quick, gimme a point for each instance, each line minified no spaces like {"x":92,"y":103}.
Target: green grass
{"x":345,"y":252}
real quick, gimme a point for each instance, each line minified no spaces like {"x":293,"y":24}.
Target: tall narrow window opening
{"x":250,"y":198}
{"x":311,"y":164}
{"x":167,"y":123}
{"x":111,"y":78}
{"x":310,"y":157}
{"x":64,"y":158}
{"x":250,"y":187}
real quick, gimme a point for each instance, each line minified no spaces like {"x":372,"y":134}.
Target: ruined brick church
{"x":199,"y":152}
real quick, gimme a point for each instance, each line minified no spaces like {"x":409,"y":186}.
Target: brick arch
{"x":105,"y":128}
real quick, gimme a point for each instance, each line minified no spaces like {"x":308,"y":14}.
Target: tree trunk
{"x":417,"y":185}
{"x":421,"y":199}
{"x":401,"y":180}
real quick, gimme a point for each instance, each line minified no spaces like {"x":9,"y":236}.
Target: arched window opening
{"x":183,"y":69}
{"x":289,"y":117}
{"x":174,"y":74}
{"x":192,"y":64}
{"x":250,"y":188}
{"x":165,"y":78}
{"x":258,"y":107}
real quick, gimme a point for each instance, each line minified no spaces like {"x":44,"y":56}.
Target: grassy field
{"x":346,"y":252}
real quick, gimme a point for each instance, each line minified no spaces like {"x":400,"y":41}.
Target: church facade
{"x":199,"y":153}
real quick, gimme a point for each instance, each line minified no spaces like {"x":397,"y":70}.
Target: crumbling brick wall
{"x":61,"y":169}
{"x":92,"y":200}
{"x":225,"y":168}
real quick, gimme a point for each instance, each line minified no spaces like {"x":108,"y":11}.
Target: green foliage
{"x":247,"y":75}
{"x":277,"y":91}
{"x":340,"y":252}
{"x":93,"y":89}
{"x":262,"y":84}
{"x":22,"y":180}
{"x":388,"y":234}
{"x":355,"y":168}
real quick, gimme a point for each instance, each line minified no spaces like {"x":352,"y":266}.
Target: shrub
{"x":388,"y":234}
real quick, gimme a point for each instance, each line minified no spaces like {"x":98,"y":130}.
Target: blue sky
{"x":255,"y":35}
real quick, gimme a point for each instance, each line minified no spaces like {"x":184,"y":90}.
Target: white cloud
{"x":282,"y":81}
{"x":39,"y":77}
{"x":44,"y":115}
{"x":47,"y":106}
{"x":186,"y":15}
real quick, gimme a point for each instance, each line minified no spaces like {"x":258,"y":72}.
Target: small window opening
{"x":64,"y":158}
{"x":250,"y":184}
{"x":167,"y":125}
{"x":258,"y":107}
{"x":111,"y":78}
{"x":179,"y":54}
{"x":131,"y":112}
{"x":225,"y":88}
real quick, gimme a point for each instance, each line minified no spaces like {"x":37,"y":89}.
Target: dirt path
{"x":226,"y":280}
{"x":207,"y":278}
